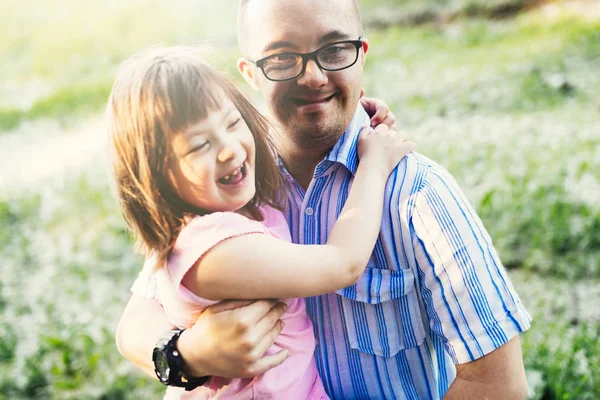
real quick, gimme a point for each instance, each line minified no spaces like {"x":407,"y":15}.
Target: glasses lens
{"x":282,"y":66}
{"x":338,"y":55}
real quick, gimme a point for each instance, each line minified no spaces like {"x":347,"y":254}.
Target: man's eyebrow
{"x":277,"y":45}
{"x":334,"y":35}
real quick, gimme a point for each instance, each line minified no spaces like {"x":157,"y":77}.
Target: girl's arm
{"x":260,"y":266}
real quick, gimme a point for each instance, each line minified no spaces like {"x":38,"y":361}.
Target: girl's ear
{"x":247,"y":70}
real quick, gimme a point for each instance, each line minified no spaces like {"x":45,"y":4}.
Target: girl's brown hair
{"x":158,"y":94}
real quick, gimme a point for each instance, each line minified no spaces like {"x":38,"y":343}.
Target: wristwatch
{"x":168,"y":363}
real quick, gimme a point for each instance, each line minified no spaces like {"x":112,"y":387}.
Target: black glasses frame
{"x":260,"y":63}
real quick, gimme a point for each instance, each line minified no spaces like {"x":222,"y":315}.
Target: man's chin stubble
{"x":316,"y":138}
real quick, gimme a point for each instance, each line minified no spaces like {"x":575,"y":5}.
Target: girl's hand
{"x":378,"y":111}
{"x":383,"y":148}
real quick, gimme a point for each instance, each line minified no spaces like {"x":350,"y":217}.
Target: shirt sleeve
{"x":467,"y":293}
{"x":145,"y":285}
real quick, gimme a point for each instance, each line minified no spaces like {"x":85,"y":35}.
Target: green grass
{"x":472,"y":66}
{"x":509,"y":107}
{"x":410,"y":12}
{"x":68,"y":102}
{"x":65,"y":293}
{"x":560,"y":350}
{"x":59,"y":61}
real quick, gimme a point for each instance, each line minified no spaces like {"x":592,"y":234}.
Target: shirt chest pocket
{"x":381,"y":312}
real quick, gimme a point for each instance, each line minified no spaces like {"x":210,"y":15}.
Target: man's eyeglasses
{"x":333,"y":57}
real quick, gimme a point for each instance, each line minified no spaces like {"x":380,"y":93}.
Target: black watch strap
{"x":168,"y":363}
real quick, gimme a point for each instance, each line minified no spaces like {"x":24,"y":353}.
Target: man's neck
{"x":301,"y":164}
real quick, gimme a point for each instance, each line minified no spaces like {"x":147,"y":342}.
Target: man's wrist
{"x":186,"y":348}
{"x":169,"y":364}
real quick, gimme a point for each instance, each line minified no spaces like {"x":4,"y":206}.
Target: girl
{"x":199,"y":186}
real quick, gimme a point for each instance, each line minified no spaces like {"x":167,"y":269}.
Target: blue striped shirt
{"x":434,"y":293}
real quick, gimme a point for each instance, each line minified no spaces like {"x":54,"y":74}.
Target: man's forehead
{"x":270,"y":24}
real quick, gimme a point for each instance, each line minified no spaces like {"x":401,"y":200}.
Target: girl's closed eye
{"x":198,"y":147}
{"x":235,"y":121}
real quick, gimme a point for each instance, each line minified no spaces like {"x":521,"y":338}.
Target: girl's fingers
{"x":381,"y":128}
{"x":408,"y":147}
{"x":390,"y":121}
{"x":402,"y":135}
{"x":365,"y":131}
{"x":379,"y":117}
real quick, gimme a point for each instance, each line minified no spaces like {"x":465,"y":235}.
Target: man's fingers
{"x":268,"y":339}
{"x":268,"y":362}
{"x":269,"y":321}
{"x":229,"y":305}
{"x":255,"y":311}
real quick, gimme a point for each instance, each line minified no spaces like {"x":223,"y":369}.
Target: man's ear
{"x":247,"y":71}
{"x":365,"y":47}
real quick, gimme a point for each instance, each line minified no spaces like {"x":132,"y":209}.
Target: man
{"x":434,"y":315}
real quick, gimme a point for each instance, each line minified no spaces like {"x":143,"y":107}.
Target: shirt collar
{"x":344,"y":151}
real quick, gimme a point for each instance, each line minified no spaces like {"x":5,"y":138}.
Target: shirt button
{"x":309,"y":211}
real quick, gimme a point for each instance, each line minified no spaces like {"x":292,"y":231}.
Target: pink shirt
{"x":297,"y":377}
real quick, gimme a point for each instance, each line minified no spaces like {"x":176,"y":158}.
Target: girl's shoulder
{"x":218,"y":224}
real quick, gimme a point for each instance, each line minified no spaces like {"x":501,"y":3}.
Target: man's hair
{"x":242,"y":23}
{"x":158,"y":94}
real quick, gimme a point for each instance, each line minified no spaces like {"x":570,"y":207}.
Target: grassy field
{"x":509,"y":106}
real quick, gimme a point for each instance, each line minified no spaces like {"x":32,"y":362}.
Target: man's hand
{"x":497,"y":375}
{"x":230,"y":339}
{"x":378,"y":111}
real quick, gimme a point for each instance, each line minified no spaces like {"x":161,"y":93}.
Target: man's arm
{"x":143,"y":322}
{"x":467,"y":293}
{"x":229,"y":339}
{"x":497,"y":375}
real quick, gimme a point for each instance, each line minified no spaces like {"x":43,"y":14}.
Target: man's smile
{"x":312,"y":103}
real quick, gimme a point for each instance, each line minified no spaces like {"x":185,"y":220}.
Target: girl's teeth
{"x":233,"y":175}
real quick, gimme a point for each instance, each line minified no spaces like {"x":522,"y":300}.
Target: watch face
{"x":162,"y":366}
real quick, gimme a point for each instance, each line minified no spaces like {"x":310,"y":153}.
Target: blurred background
{"x":504,"y":93}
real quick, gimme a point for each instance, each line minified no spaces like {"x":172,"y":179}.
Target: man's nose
{"x":313,"y":77}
